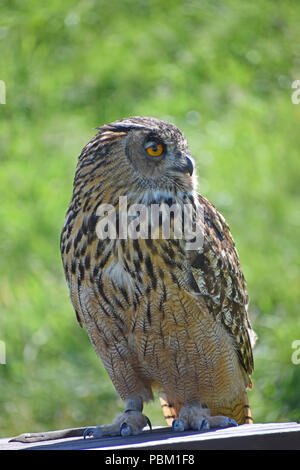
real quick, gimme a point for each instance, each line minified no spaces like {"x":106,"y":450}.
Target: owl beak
{"x":185,"y":165}
{"x":189,"y":167}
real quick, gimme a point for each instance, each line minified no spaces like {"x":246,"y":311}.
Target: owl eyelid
{"x":153,"y":142}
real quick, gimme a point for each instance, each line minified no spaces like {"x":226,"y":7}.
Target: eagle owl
{"x":161,"y":312}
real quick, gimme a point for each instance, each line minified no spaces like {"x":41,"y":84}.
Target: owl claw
{"x":230,"y":422}
{"x":125,"y":430}
{"x":177,"y":425}
{"x":149,"y":423}
{"x":203,"y":425}
{"x":89,"y":432}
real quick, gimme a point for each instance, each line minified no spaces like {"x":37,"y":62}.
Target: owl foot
{"x":194,"y":416}
{"x":126,"y":424}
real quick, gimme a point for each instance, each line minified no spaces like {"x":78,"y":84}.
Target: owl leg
{"x":193,"y":415}
{"x":131,"y":422}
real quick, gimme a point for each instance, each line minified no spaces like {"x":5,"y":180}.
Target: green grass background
{"x":220,"y":70}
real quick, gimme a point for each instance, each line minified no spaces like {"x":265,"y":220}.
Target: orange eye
{"x":155,"y":150}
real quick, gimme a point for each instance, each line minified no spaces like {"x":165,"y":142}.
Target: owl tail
{"x":239,"y":409}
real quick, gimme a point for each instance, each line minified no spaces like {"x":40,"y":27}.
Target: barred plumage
{"x":158,"y":315}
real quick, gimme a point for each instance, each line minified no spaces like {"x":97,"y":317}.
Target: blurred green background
{"x":220,"y":70}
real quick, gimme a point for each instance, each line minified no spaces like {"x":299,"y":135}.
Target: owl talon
{"x":149,"y":423}
{"x":125,"y":430}
{"x":203,"y":425}
{"x":230,"y":422}
{"x":177,"y":425}
{"x":88,"y":432}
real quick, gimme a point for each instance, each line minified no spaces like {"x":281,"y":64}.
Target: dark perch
{"x":256,"y":436}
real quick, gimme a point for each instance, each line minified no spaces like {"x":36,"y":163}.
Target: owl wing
{"x":216,"y":269}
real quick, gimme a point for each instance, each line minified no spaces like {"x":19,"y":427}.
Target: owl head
{"x":140,"y":154}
